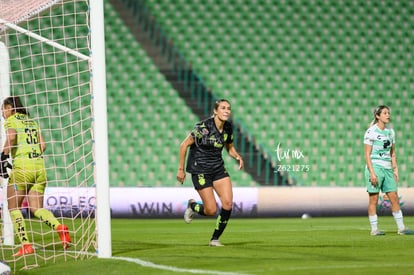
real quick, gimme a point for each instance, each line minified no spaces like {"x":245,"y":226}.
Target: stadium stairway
{"x":311,"y":70}
{"x":261,"y":170}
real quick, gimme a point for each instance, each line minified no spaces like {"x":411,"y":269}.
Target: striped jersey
{"x":381,"y":142}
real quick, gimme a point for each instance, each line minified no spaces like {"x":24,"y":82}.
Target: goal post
{"x":101,"y":129}
{"x":57,"y":67}
{"x":7,"y":226}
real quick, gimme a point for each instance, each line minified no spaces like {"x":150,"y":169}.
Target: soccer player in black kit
{"x":206,"y":166}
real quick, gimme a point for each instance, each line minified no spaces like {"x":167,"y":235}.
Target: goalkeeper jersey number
{"x":27,"y":146}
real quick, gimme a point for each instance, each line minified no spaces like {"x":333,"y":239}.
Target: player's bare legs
{"x":372,"y":203}
{"x":372,"y":214}
{"x":209,"y":201}
{"x":395,"y":202}
{"x":397,"y":213}
{"x":224,"y":191}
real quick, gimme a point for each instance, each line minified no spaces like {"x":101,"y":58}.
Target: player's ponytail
{"x":377,"y":112}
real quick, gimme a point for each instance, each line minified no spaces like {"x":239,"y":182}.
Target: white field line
{"x":158,"y":266}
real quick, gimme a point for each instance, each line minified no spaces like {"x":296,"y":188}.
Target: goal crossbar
{"x":18,"y":11}
{"x":44,"y":40}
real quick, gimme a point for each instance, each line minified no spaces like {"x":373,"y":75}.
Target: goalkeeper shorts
{"x":33,"y":179}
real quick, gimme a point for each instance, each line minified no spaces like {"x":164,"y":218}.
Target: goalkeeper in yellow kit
{"x":25,"y":144}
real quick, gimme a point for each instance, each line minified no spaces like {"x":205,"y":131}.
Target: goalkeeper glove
{"x":4,"y":156}
{"x":4,"y":164}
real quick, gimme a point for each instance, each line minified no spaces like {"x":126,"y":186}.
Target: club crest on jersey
{"x":218,"y":145}
{"x":19,"y":116}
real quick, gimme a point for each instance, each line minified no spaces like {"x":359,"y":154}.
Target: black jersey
{"x":205,"y":155}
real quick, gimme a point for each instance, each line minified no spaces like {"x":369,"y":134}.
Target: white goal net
{"x":46,"y":46}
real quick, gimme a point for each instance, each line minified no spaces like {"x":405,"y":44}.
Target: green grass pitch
{"x":252,"y":246}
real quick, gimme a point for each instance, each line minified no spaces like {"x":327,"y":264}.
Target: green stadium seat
{"x":296,"y":72}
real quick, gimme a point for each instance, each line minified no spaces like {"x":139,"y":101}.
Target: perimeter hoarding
{"x":249,"y":202}
{"x":324,"y":201}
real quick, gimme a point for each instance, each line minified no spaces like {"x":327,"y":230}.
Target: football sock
{"x":198,"y":207}
{"x":47,"y":217}
{"x":398,"y":217}
{"x":19,"y":226}
{"x":221,"y":223}
{"x":373,"y":220}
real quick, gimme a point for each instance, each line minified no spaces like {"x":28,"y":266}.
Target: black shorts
{"x":201,"y":181}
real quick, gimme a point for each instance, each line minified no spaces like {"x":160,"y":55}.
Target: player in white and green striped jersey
{"x":381,"y":171}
